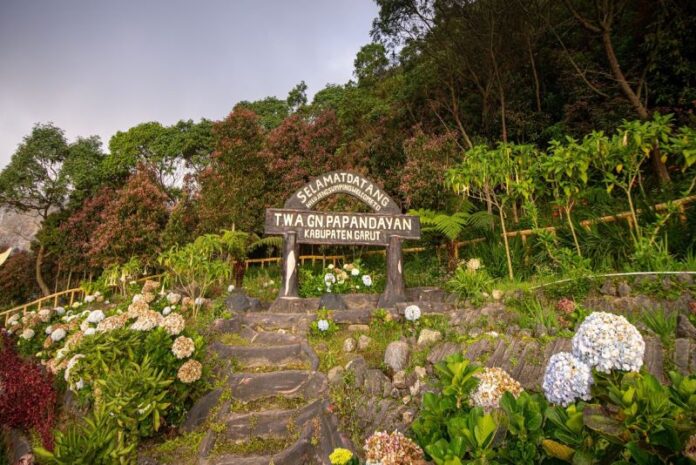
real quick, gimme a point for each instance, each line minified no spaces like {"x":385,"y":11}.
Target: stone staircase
{"x":270,"y":405}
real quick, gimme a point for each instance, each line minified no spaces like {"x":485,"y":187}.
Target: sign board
{"x":299,"y":224}
{"x":341,"y":228}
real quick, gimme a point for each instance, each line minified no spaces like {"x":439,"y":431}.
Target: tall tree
{"x":232,"y":187}
{"x":36,"y":182}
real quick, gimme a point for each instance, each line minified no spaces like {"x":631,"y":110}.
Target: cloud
{"x":97,"y":66}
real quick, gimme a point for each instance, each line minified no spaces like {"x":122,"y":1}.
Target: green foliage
{"x":469,"y":284}
{"x":323,"y":325}
{"x":96,"y":440}
{"x":661,"y":322}
{"x":350,"y":278}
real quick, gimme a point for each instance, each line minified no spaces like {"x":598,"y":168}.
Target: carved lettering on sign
{"x":341,"y":228}
{"x":338,"y":182}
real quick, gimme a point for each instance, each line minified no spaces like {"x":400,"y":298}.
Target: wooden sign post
{"x":299,"y":224}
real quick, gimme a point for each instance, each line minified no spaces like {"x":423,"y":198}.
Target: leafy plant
{"x":661,"y":322}
{"x":323,"y":325}
{"x":96,"y":440}
{"x":469,"y":284}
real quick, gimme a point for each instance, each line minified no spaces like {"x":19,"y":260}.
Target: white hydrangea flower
{"x":95,"y":316}
{"x":367,"y":280}
{"x":27,"y":334}
{"x":473,"y":264}
{"x":323,"y":325}
{"x":330,"y":267}
{"x":58,"y":334}
{"x":90,"y":331}
{"x":44,"y":314}
{"x":606,"y":342}
{"x":199,"y":301}
{"x":49,"y":329}
{"x":493,"y":383}
{"x":173,"y":298}
{"x":80,"y":384}
{"x":60,"y":311}
{"x":355,"y":272}
{"x":329,"y":278}
{"x":166,"y":311}
{"x":97,"y":294}
{"x":230,"y":288}
{"x":567,"y":378}
{"x":138,"y":298}
{"x":71,"y":364}
{"x":89,"y":299}
{"x":76,"y":304}
{"x":412,"y":312}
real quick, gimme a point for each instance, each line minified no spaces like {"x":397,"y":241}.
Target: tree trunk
{"x":239,"y":272}
{"x":39,"y":277}
{"x":658,"y":166}
{"x":537,"y":86}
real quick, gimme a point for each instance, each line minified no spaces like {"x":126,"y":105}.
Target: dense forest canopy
{"x":438,"y":79}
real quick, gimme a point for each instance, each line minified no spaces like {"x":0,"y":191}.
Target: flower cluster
{"x":183,"y":347}
{"x":392,"y":449}
{"x":493,"y":383}
{"x":473,"y":265}
{"x":323,"y":325}
{"x":340,"y":456}
{"x":605,"y":341}
{"x":349,"y":278}
{"x":412,"y":313}
{"x":567,"y":379}
{"x":190,"y":372}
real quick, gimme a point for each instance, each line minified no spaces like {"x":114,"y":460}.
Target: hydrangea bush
{"x":349,"y":278}
{"x":567,"y":379}
{"x":606,"y":342}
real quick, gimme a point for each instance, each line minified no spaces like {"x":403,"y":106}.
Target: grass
{"x":330,"y":349}
{"x":268,"y":403}
{"x":233,"y":339}
{"x":662,"y":323}
{"x":254,"y":445}
{"x":533,"y":313}
{"x":179,"y":449}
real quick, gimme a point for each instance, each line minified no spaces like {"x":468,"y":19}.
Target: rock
{"x":364,"y":342}
{"x":682,"y":355}
{"x":497,"y":294}
{"x":624,"y":290}
{"x":685,"y":328}
{"x":359,"y":328}
{"x":397,"y":354}
{"x":335,"y":375}
{"x":666,"y":283}
{"x":358,"y":367}
{"x":198,"y":414}
{"x":428,"y":336}
{"x":540,"y":331}
{"x":399,"y":380}
{"x":332,"y":302}
{"x":442,"y":351}
{"x":420,"y":372}
{"x":407,"y":417}
{"x":512,"y":330}
{"x":685,"y":278}
{"x":240,"y":302}
{"x":608,"y":288}
{"x":349,"y":345}
{"x":475,"y":332}
{"x":415,"y":388}
{"x":387,"y":389}
{"x":406,"y":399}
{"x":374,"y":382}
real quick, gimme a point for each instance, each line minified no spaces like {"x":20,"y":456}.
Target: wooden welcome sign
{"x":299,"y":224}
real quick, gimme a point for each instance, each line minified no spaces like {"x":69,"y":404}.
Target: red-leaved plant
{"x":27,"y":397}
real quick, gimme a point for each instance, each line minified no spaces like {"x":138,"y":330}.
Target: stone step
{"x":270,"y":423}
{"x":246,"y":387}
{"x":292,"y":322}
{"x":262,"y":356}
{"x":300,"y":452}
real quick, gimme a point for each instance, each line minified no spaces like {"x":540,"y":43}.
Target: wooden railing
{"x":69,"y":296}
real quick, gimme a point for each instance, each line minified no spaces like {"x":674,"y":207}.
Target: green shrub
{"x":350,"y":278}
{"x":469,"y":283}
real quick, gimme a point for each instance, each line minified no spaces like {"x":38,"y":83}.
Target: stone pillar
{"x":395,"y":290}
{"x":291,"y":253}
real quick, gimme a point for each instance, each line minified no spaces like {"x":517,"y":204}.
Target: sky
{"x":94,"y":67}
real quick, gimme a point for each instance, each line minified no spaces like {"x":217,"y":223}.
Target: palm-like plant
{"x":453,"y":225}
{"x":239,"y":245}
